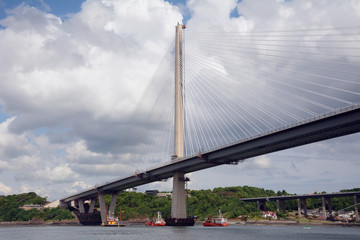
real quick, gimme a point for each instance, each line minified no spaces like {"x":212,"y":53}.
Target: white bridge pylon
{"x":178,"y":204}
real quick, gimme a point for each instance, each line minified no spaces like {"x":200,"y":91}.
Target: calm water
{"x":179,"y":233}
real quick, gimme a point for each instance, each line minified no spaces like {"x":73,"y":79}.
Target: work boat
{"x":159,"y":221}
{"x":112,"y":221}
{"x":216,"y":222}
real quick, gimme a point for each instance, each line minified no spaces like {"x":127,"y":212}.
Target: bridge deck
{"x":328,"y":126}
{"x":304,"y":196}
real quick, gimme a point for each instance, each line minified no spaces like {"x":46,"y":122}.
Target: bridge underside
{"x":336,"y":125}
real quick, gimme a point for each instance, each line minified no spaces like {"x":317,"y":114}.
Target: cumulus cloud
{"x":6,"y":190}
{"x":58,"y":174}
{"x":262,"y":162}
{"x":71,"y":85}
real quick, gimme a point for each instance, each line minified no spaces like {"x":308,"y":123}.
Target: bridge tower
{"x":178,"y":204}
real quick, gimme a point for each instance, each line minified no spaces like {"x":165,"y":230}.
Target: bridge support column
{"x":258,"y":205}
{"x":305,"y":207}
{"x":277,"y":205}
{"x":64,"y":204}
{"x":113,"y":204}
{"x":178,"y":203}
{"x":356,"y":208}
{"x":81,"y":206}
{"x":323,"y":203}
{"x":299,"y":207}
{"x":102,"y":207}
{"x":329,"y":206}
{"x":92,"y":205}
{"x":283,"y":203}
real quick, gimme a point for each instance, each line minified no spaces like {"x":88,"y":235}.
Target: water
{"x":243,"y":232}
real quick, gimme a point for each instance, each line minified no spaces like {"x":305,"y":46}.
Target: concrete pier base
{"x":178,"y":203}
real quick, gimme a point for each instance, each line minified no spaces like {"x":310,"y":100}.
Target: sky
{"x":72,"y":73}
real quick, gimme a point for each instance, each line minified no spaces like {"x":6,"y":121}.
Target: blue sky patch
{"x":234,"y":13}
{"x":3,"y":116}
{"x":59,"y":8}
{"x":40,"y":131}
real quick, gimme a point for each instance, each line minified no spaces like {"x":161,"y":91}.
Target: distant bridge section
{"x":332,"y":125}
{"x":280,"y":201}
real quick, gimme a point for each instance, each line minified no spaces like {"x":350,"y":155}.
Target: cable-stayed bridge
{"x":238,"y":95}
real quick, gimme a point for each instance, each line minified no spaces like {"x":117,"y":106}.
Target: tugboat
{"x":216,"y":222}
{"x":158,"y":223}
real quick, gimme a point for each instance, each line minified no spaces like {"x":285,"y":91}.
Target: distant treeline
{"x":10,"y":209}
{"x":200,"y":203}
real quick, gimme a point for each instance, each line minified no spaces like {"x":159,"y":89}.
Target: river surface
{"x":242,"y":232}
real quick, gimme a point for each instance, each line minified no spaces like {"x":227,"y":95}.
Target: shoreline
{"x":231,"y":222}
{"x":294,"y":223}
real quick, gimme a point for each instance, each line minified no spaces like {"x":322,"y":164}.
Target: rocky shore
{"x":61,"y":223}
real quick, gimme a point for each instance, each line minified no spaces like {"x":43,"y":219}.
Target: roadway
{"x":335,"y":124}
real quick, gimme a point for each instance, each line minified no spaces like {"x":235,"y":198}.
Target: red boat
{"x":158,"y":223}
{"x":216,"y":222}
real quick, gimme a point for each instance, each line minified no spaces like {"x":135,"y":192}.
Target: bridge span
{"x":334,"y":124}
{"x":301,"y":200}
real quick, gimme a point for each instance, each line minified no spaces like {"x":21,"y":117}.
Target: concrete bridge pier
{"x":283,"y":204}
{"x":305,"y":207}
{"x":178,"y":203}
{"x":329,"y":206}
{"x":92,"y":205}
{"x":324,"y":200}
{"x":261,"y":205}
{"x":277,"y":205}
{"x":81,"y":206}
{"x":103,"y":209}
{"x":356,"y":208}
{"x":323,"y":203}
{"x":303,"y":201}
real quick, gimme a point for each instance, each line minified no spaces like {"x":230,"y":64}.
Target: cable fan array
{"x":241,"y":84}
{"x":238,"y":85}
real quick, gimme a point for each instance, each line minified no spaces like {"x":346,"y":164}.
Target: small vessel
{"x":112,"y":221}
{"x":158,"y":223}
{"x":216,"y":222}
